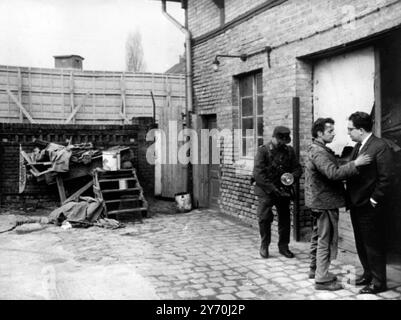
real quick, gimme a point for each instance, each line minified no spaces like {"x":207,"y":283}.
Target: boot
{"x":265,"y":236}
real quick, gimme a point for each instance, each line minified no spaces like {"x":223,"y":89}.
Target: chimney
{"x":71,"y":61}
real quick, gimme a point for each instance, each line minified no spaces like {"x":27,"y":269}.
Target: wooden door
{"x":213,"y":168}
{"x":174,"y":175}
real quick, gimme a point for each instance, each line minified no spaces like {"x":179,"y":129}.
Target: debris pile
{"x":85,"y":212}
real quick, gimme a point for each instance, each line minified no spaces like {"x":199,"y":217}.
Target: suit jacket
{"x":270,"y":163}
{"x":324,"y":187}
{"x":375,"y":178}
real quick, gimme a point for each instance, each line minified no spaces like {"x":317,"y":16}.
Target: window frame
{"x":255,"y":114}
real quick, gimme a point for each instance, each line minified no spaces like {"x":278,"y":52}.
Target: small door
{"x":213,"y":168}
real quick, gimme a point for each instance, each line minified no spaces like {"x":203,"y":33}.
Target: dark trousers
{"x":265,"y":219}
{"x":368,"y":225}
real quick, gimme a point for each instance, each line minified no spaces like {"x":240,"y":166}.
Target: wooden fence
{"x":38,"y":95}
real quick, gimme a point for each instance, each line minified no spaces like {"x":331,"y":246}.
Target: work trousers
{"x":321,"y":243}
{"x":265,"y":219}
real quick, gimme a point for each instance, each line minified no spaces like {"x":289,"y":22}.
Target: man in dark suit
{"x":366,"y":193}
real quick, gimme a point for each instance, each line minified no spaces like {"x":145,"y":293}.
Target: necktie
{"x":356,"y":150}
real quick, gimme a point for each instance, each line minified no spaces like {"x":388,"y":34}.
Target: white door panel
{"x":342,"y":85}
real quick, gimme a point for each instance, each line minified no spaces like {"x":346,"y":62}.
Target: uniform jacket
{"x":375,"y":178}
{"x":324,"y":188}
{"x":270,"y":163}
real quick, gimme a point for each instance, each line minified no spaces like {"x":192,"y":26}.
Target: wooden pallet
{"x":122,"y":194}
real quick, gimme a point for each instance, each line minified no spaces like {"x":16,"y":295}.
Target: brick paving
{"x":202,"y":254}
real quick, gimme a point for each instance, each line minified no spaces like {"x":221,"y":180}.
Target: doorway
{"x":366,"y":79}
{"x":213,"y":169}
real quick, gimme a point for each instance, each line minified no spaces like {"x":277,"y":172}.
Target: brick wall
{"x":234,"y":8}
{"x":318,"y":23}
{"x":208,"y":16}
{"x":102,"y":136}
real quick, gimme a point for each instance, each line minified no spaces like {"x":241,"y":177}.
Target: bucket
{"x":183,"y":202}
{"x":111,"y":160}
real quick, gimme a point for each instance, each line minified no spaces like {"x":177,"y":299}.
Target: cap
{"x":281,"y":131}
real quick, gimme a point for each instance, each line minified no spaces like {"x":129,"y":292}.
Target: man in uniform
{"x":271,"y":161}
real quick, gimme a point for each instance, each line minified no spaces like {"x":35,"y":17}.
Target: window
{"x":251,"y":113}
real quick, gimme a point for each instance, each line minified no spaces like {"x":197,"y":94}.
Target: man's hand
{"x":362,"y":160}
{"x":281,"y":193}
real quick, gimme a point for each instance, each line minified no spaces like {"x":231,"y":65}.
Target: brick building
{"x":295,"y":61}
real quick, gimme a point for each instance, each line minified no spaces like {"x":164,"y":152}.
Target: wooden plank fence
{"x":39,"y":95}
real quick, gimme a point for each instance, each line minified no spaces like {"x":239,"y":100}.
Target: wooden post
{"x":30,"y":89}
{"x":94,"y":99}
{"x":295,"y":134}
{"x":378,"y":98}
{"x":62,"y":92}
{"x":72,"y":93}
{"x":20,"y":93}
{"x":154,"y":108}
{"x":61,"y":189}
{"x":123,"y":100}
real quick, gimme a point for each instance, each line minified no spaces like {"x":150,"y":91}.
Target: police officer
{"x":271,"y":161}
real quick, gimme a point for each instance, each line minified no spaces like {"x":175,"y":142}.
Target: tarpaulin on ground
{"x":83,"y":213}
{"x":86,"y":210}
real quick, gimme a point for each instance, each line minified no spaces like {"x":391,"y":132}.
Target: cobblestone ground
{"x":197,"y":255}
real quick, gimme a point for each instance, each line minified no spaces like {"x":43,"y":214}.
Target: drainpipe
{"x":188,"y":73}
{"x":188,"y":83}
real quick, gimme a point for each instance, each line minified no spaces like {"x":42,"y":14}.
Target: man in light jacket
{"x":324,"y":195}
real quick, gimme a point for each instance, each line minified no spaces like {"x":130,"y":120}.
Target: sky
{"x":33,"y":31}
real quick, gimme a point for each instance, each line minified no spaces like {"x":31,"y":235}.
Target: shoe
{"x":333,"y":276}
{"x":286,"y":253}
{"x":372,"y":289}
{"x":329,"y":286}
{"x":362,"y":281}
{"x":264,"y":252}
{"x":311,"y":274}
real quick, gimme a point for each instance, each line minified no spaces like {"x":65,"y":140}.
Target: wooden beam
{"x":32,"y":164}
{"x":378,"y":98}
{"x":74,"y":112}
{"x":123,"y":100}
{"x":124,"y":117}
{"x":20,"y":93}
{"x":61,"y":189}
{"x":72,"y":92}
{"x":79,"y":192}
{"x":24,"y":111}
